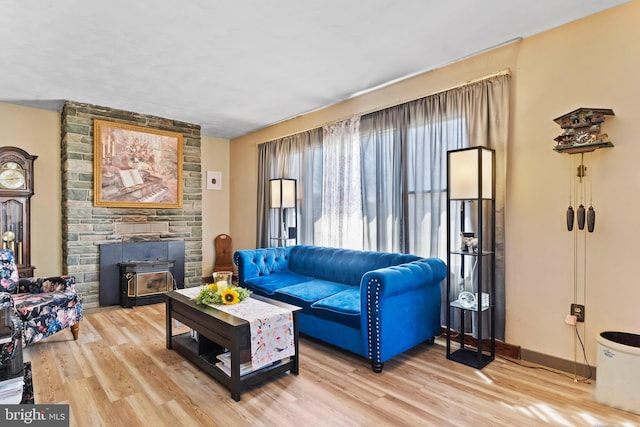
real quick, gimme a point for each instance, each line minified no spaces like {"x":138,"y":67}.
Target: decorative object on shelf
{"x":582,"y":131}
{"x":136,"y":167}
{"x":471,"y":192}
{"x":465,"y":237}
{"x":582,"y":134}
{"x":467,"y":299}
{"x":469,"y":242}
{"x":16,"y":189}
{"x":282,"y":196}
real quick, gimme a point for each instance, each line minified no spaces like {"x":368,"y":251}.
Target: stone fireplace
{"x":86,"y":228}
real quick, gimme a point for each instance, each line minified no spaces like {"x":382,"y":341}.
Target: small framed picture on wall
{"x":214,"y":180}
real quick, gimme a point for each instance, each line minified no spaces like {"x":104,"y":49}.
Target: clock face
{"x":582,"y":137}
{"x":12,"y":176}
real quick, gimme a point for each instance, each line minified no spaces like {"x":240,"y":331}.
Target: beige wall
{"x":588,"y":63}
{"x":215,"y":204}
{"x":38,"y":132}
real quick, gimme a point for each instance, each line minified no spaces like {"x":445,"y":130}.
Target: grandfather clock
{"x":16,"y":189}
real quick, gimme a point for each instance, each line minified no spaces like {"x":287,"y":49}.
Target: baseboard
{"x":516,"y":352}
{"x":502,"y":348}
{"x":564,"y":365}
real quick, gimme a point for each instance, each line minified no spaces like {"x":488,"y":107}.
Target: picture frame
{"x":214,"y":180}
{"x":136,"y":167}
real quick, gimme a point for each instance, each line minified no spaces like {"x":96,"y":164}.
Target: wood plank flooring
{"x":119,"y":373}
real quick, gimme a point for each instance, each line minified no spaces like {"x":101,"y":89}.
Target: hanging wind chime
{"x":582,"y":135}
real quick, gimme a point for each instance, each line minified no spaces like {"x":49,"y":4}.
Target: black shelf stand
{"x":475,"y":204}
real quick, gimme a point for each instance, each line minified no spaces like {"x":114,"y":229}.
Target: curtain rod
{"x":502,"y":72}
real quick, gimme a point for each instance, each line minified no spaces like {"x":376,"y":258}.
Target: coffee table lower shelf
{"x":186,"y":346}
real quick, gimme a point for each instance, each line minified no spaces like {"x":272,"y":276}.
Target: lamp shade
{"x":470,"y":173}
{"x":282,"y":193}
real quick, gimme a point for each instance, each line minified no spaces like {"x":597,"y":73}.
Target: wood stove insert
{"x":145,"y":282}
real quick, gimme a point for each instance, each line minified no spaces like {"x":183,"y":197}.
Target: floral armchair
{"x":43,"y":306}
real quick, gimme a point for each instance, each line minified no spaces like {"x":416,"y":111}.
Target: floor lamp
{"x":471,"y":183}
{"x":283,"y":196}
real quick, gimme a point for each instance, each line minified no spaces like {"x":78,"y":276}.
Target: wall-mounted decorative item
{"x":582,"y":134}
{"x":136,"y":167}
{"x":582,"y":131}
{"x":214,"y":180}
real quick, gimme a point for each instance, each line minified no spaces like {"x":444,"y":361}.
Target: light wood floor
{"x":119,"y":373}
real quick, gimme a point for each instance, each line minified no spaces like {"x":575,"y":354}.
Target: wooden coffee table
{"x":219,"y":332}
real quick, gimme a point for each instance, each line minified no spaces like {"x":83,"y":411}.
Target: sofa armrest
{"x":400,"y":306}
{"x":47,"y":284}
{"x":260,"y":262}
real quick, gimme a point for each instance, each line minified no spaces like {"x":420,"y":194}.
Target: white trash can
{"x":618,"y":374}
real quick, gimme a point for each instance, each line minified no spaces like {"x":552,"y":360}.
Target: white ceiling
{"x":237,"y":66}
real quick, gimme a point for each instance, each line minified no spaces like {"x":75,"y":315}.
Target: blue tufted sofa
{"x":374,"y":304}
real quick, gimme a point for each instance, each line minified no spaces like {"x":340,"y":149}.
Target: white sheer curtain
{"x":341,"y":222}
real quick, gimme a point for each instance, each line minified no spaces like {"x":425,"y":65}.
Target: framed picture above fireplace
{"x":136,"y":166}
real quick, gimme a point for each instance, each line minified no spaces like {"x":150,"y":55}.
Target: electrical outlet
{"x":578,"y":311}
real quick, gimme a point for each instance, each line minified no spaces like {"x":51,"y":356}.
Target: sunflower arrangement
{"x":214,"y":294}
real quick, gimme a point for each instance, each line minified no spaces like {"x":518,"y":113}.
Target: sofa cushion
{"x":343,"y":307}
{"x":269,"y":283}
{"x":304,"y":294}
